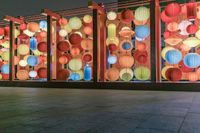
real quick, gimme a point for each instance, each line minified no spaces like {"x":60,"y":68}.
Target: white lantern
{"x":142,"y":13}
{"x":111,"y":15}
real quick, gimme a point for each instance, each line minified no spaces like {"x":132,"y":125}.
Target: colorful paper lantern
{"x":126,"y":74}
{"x":141,"y":56}
{"x":63,"y":33}
{"x":191,"y":41}
{"x":5,"y":55}
{"x":16,"y":33}
{"x":183,"y":27}
{"x":184,"y":68}
{"x":112,"y":30}
{"x":5,"y":69}
{"x":16,"y":60}
{"x":23,"y":37}
{"x":191,"y":10}
{"x":22,"y":74}
{"x":1,"y":31}
{"x":165,"y":18}
{"x":192,"y":29}
{"x":141,"y":46}
{"x":88,"y":30}
{"x":173,"y":56}
{"x":63,"y":59}
{"x":63,"y":46}
{"x":112,"y":74}
{"x":33,"y":27}
{"x":165,"y":50}
{"x":112,"y":40}
{"x":142,"y":31}
{"x":173,"y":26}
{"x":75,"y":38}
{"x":75,"y":76}
{"x":63,"y":21}
{"x":5,"y":44}
{"x":32,"y":60}
{"x":75,"y":64}
{"x":184,"y":47}
{"x":87,"y":19}
{"x":112,"y":47}
{"x":43,"y":24}
{"x":112,"y":59}
{"x":23,"y":63}
{"x":62,"y":74}
{"x":22,"y":26}
{"x":173,"y":9}
{"x":75,"y":51}
{"x":126,"y":61}
{"x":28,"y":33}
{"x":126,"y":32}
{"x":32,"y":74}
{"x":142,"y":13}
{"x":142,"y":73}
{"x":126,"y":46}
{"x":75,"y":23}
{"x":81,"y":74}
{"x":1,"y":77}
{"x":37,"y":52}
{"x":33,"y":43}
{"x":87,"y":72}
{"x":173,"y":41}
{"x":87,"y":57}
{"x":164,"y":70}
{"x":67,"y":28}
{"x":42,"y":47}
{"x":192,"y":60}
{"x":127,"y":16}
{"x":43,"y":34}
{"x":111,"y":15}
{"x":5,"y":76}
{"x":174,"y":74}
{"x":23,"y":49}
{"x":87,"y":44}
{"x":42,"y":72}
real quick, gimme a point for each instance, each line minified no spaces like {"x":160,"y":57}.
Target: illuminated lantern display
{"x":5,"y":69}
{"x":111,"y":15}
{"x":63,"y":74}
{"x":191,"y":10}
{"x":75,"y":64}
{"x":63,"y":46}
{"x":173,"y":56}
{"x":42,"y":72}
{"x":87,"y":30}
{"x":32,"y":60}
{"x":23,"y":49}
{"x":126,"y":74}
{"x":63,"y":59}
{"x":141,"y":56}
{"x":192,"y":60}
{"x":112,"y":40}
{"x":42,"y":46}
{"x":173,"y":9}
{"x":185,"y":48}
{"x":166,"y":34}
{"x":75,"y":38}
{"x":174,"y":74}
{"x":126,"y":61}
{"x":192,"y":29}
{"x":23,"y":37}
{"x":22,"y":26}
{"x":16,"y":33}
{"x":75,"y":51}
{"x":16,"y":60}
{"x":33,"y":27}
{"x":1,"y":31}
{"x":43,"y":24}
{"x":33,"y":43}
{"x":32,"y":74}
{"x":112,"y":59}
{"x":127,"y":16}
{"x":112,"y":47}
{"x":43,"y":34}
{"x":112,"y":74}
{"x":142,"y":13}
{"x":173,"y":40}
{"x":197,"y":34}
{"x":191,"y":41}
{"x":87,"y":19}
{"x":75,"y":23}
{"x":112,"y":30}
{"x":142,"y":31}
{"x":5,"y":44}
{"x":22,"y":74}
{"x":193,"y":76}
{"x":142,"y":73}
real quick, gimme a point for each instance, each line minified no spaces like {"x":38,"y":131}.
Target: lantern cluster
{"x":128,"y":45}
{"x":74,"y":49}
{"x":180,"y":56}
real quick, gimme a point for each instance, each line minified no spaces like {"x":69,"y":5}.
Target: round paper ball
{"x":67,"y":28}
{"x":1,"y":76}
{"x":126,"y":61}
{"x":141,"y":46}
{"x":126,"y":74}
{"x":63,"y":46}
{"x":192,"y":60}
{"x":111,"y":15}
{"x":192,"y":29}
{"x":23,"y":49}
{"x":87,"y":44}
{"x":75,"y":51}
{"x":42,"y":46}
{"x":87,"y":57}
{"x":43,"y":34}
{"x":142,"y":73}
{"x":112,"y":47}
{"x":32,"y":60}
{"x":112,"y":40}
{"x":80,"y":72}
{"x":42,"y":72}
{"x":63,"y":33}
{"x":87,"y":19}
{"x":165,"y":50}
{"x":32,"y":74}
{"x":112,"y":74}
{"x":173,"y":56}
{"x":127,"y":46}
{"x":173,"y":26}
{"x":164,"y":70}
{"x":184,"y":68}
{"x":75,"y":23}
{"x":43,"y":24}
{"x":62,"y":74}
{"x":22,"y":26}
{"x":141,"y":56}
{"x":75,"y":38}
{"x":63,"y":59}
{"x":33,"y":27}
{"x":112,"y":59}
{"x":173,"y":74}
{"x":5,"y":55}
{"x":75,"y":64}
{"x":63,"y":21}
{"x":173,"y":9}
{"x":142,"y":13}
{"x":185,"y":48}
{"x":166,"y":34}
{"x":22,"y":74}
{"x":23,"y":63}
{"x":142,"y":31}
{"x":183,"y":27}
{"x":5,"y":69}
{"x":165,"y":18}
{"x":87,"y":30}
{"x":75,"y":76}
{"x":127,"y":15}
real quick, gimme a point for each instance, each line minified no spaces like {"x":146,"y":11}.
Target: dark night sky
{"x":28,"y":7}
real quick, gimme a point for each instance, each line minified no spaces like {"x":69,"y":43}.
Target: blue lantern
{"x":112,"y":59}
{"x":5,"y":69}
{"x":173,"y":56}
{"x":87,"y":72}
{"x":192,"y":60}
{"x":32,"y":60}
{"x":33,"y":43}
{"x":142,"y":31}
{"x":43,"y":24}
{"x":126,"y":45}
{"x":75,"y":76}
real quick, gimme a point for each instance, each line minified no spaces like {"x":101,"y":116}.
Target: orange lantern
{"x":112,"y":74}
{"x":87,"y":30}
{"x":42,"y":72}
{"x":141,"y":46}
{"x":126,"y":61}
{"x":63,"y":59}
{"x":193,"y":76}
{"x":86,"y":44}
{"x":43,"y":34}
{"x":185,"y":48}
{"x":22,"y":74}
{"x":63,"y":21}
{"x":33,"y":27}
{"x":63,"y":74}
{"x":173,"y":26}
{"x":75,"y":51}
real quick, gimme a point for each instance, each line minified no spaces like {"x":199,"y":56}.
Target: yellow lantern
{"x":165,"y":50}
{"x":75,"y":64}
{"x":63,"y":33}
{"x":126,"y":74}
{"x":6,"y":44}
{"x":23,"y":63}
{"x":112,"y":30}
{"x":87,"y":19}
{"x":163,"y":71}
{"x":111,"y":15}
{"x":23,"y":49}
{"x":191,"y":41}
{"x":37,"y":52}
{"x":75,"y":23}
{"x":5,"y":55}
{"x":112,"y":40}
{"x":67,"y":28}
{"x":17,"y":32}
{"x":197,"y":34}
{"x":142,"y":13}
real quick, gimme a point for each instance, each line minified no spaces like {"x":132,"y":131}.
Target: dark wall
{"x":28,"y":7}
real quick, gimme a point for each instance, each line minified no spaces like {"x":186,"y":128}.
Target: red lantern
{"x":87,"y":57}
{"x":75,"y":38}
{"x":22,"y":26}
{"x":1,"y":31}
{"x":141,"y":56}
{"x":7,"y":30}
{"x":42,"y":47}
{"x":127,"y":16}
{"x":173,"y":9}
{"x":165,"y":18}
{"x":166,"y":34}
{"x":112,"y":47}
{"x":42,"y":72}
{"x":184,"y":68}
{"x":75,"y":51}
{"x":63,"y":46}
{"x":23,"y":37}
{"x":173,"y":74}
{"x":192,"y":29}
{"x":5,"y":76}
{"x":62,"y":74}
{"x":191,"y":10}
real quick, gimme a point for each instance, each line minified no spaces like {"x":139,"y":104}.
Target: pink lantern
{"x":191,"y":10}
{"x":173,"y":9}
